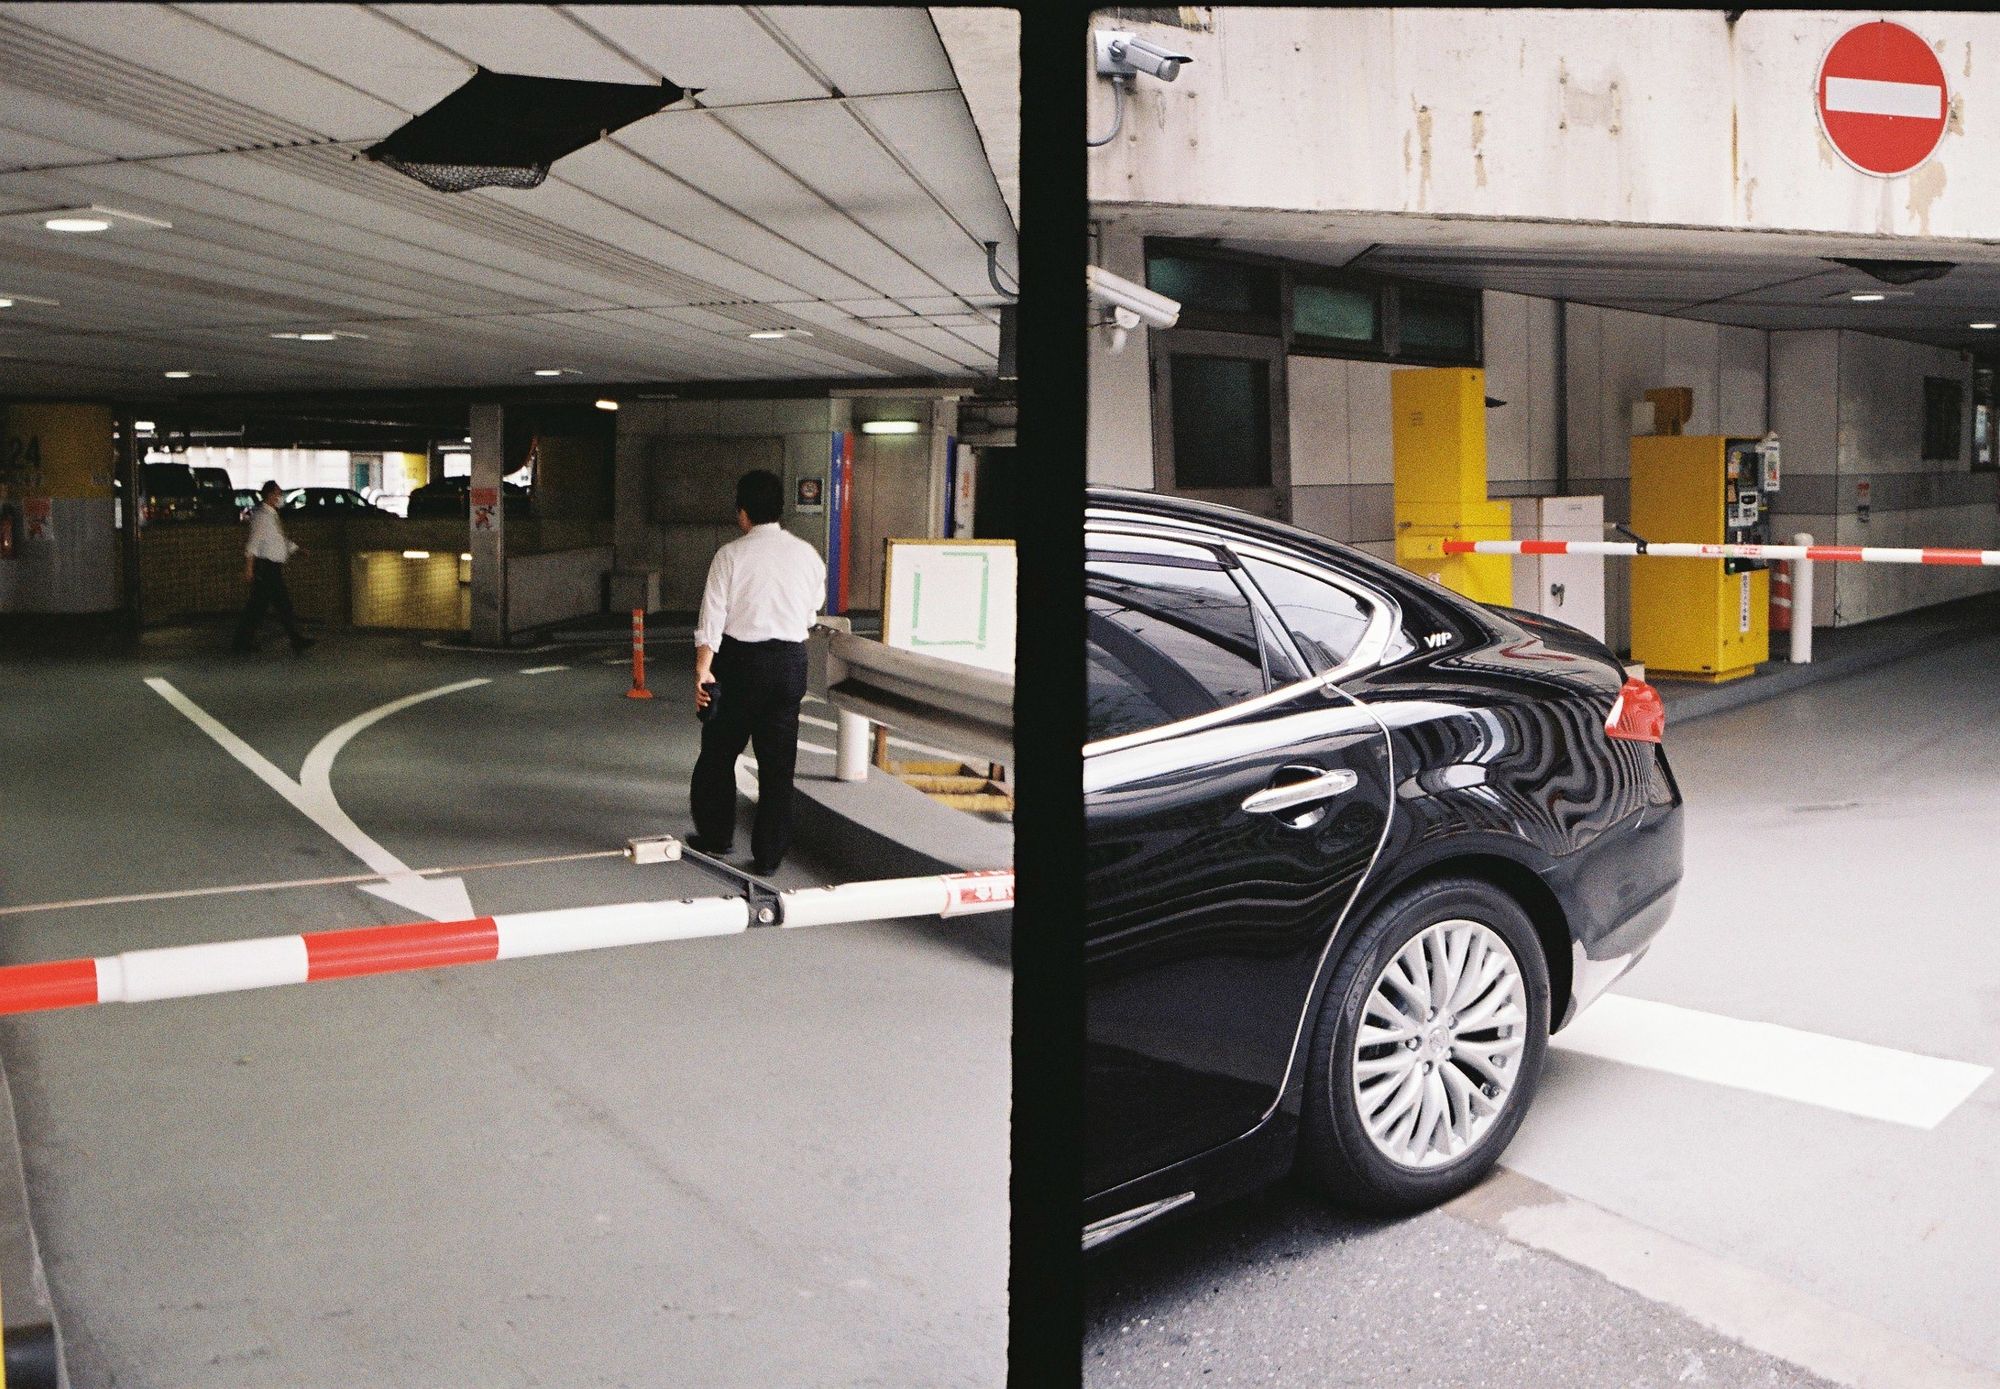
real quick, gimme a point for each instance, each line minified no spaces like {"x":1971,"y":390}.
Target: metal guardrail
{"x":958,"y":706}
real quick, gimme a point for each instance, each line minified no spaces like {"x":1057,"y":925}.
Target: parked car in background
{"x":1356,"y":846}
{"x":330,"y":501}
{"x":452,"y":496}
{"x":245,"y":498}
{"x":169,"y":493}
{"x":218,"y":494}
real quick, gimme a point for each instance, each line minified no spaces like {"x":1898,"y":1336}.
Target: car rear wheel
{"x":1429,"y":1043}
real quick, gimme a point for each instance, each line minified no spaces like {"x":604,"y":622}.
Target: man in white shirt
{"x":764,"y":590}
{"x":264,"y":570}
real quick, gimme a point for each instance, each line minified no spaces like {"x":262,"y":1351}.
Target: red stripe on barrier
{"x":1953,"y":557}
{"x":1457,"y":547}
{"x":59,"y":984}
{"x":387,"y":949}
{"x":1852,"y":552}
{"x":1544,"y":547}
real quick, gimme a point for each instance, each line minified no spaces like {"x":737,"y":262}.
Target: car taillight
{"x":1637,"y":714}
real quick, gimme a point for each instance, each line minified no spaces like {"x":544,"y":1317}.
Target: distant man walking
{"x":264,"y":570}
{"x":764,"y":590}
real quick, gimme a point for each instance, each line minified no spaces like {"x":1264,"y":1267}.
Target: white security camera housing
{"x":1125,"y":55}
{"x":1127,"y":299}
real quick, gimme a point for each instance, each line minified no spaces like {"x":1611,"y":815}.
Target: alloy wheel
{"x":1439,"y":1047}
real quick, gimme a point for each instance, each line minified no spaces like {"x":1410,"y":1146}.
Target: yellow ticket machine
{"x":1440,"y":455}
{"x":1702,"y":619}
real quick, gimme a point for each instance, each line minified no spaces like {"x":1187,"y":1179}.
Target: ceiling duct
{"x":1897,"y":272}
{"x":504,"y":130}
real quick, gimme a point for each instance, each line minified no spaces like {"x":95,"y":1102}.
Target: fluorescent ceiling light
{"x":6,"y":303}
{"x":11,"y":297}
{"x":771,"y":334}
{"x":143,"y":426}
{"x":557,"y":371}
{"x":94,"y":218}
{"x":77,"y":224}
{"x":322,"y":335}
{"x":465,"y":559}
{"x":177,"y":375}
{"x":416,"y":554}
{"x":607,"y":405}
{"x":1983,"y":326}
{"x":890,"y":427}
{"x":1867,"y":298}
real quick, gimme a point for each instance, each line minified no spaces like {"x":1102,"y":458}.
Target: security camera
{"x":1131,"y":302}
{"x":1124,"y":55}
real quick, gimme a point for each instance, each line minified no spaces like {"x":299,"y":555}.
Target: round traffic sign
{"x":1882,"y":98}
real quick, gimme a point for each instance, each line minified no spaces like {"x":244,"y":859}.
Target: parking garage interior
{"x":505,"y":413}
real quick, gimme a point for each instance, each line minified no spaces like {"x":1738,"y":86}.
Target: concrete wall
{"x":1875,"y":435}
{"x":556,"y":586}
{"x":1545,"y":114}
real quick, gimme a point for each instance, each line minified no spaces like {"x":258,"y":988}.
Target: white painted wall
{"x":1548,"y":114}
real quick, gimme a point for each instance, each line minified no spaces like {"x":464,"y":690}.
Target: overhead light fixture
{"x":1983,"y":326}
{"x":890,"y":427}
{"x":143,"y":426}
{"x":13,"y":296}
{"x":557,"y":371}
{"x":321,"y":335}
{"x":607,"y":405}
{"x":416,"y":554}
{"x":1867,"y":298}
{"x":771,"y":334}
{"x":94,"y":218}
{"x":465,"y":558}
{"x":177,"y":375}
{"x":504,"y":130}
{"x":6,"y":303}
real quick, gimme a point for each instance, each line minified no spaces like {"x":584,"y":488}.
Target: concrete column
{"x":489,"y":527}
{"x":129,"y":456}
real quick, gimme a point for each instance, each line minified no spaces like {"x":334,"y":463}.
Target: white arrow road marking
{"x":441,"y":899}
{"x":1874,"y":1082}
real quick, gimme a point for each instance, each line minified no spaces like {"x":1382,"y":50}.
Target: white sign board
{"x":951,"y":598}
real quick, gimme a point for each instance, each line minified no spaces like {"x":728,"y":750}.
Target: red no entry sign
{"x":1882,"y":98}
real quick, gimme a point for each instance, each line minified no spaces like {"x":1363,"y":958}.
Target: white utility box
{"x":1569,"y":588}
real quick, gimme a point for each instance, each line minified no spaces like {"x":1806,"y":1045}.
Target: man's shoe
{"x":705,"y":846}
{"x":303,"y":645}
{"x":763,"y":868}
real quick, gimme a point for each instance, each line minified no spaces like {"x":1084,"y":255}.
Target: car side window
{"x":1326,"y":621}
{"x":1166,"y":642}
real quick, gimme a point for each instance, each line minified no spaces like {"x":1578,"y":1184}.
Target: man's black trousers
{"x":267,"y":590}
{"x":758,"y":688}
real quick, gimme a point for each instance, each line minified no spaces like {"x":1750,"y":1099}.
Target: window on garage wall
{"x":1220,"y":414}
{"x":1944,"y":401}
{"x":1985,"y":423}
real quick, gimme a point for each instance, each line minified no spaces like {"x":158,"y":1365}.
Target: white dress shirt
{"x":267,"y":537}
{"x":766,"y":585}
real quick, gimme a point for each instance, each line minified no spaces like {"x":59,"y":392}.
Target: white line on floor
{"x":312,"y":796}
{"x":1762,"y":1312}
{"x":541,"y":670}
{"x":1874,"y":1082}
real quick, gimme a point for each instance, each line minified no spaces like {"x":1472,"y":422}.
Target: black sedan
{"x":1357,"y":845}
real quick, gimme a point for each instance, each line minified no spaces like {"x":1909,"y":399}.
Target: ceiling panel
{"x":866,"y":52}
{"x":536,"y":39}
{"x":368,"y":51}
{"x":707,"y":153}
{"x":720,"y":49}
{"x":933,"y":133}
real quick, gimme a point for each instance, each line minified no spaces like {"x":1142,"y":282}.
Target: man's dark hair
{"x":760,"y":495}
{"x":268,"y":488}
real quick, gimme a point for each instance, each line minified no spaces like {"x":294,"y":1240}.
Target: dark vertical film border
{"x":1045,"y":1335}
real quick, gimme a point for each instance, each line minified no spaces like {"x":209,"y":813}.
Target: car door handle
{"x":1325,"y":786}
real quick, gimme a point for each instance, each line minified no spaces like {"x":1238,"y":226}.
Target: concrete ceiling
{"x":827,"y":177}
{"x":1753,"y":279}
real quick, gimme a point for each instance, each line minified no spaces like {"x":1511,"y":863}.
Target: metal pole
{"x":851,"y":756}
{"x":1802,"y":604}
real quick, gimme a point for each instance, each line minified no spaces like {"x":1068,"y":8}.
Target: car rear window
{"x":1166,"y":642}
{"x":1326,"y":622}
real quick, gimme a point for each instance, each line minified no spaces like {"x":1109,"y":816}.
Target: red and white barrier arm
{"x":183,"y":971}
{"x":1835,"y":554}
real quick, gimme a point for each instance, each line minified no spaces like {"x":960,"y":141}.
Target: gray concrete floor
{"x":771,"y":1159}
{"x":1841,"y":874}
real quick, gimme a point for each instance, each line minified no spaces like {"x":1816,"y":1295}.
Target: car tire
{"x":1349,"y":1146}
